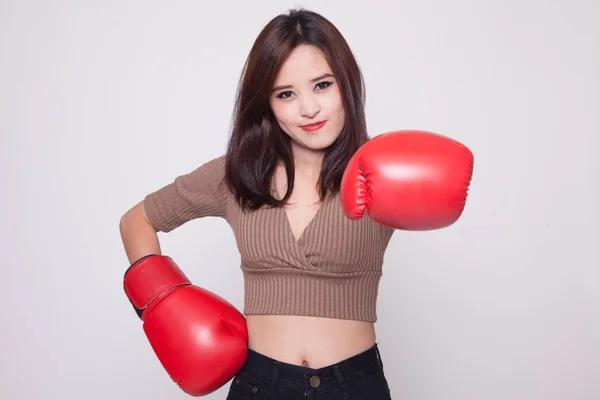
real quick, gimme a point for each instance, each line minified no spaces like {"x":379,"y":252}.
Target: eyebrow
{"x":318,"y":78}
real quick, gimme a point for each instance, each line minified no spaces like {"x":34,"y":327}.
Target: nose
{"x":309,"y":106}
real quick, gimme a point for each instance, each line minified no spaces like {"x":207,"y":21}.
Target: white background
{"x":102,"y":102}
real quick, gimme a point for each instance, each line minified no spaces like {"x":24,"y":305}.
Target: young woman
{"x":311,"y":259}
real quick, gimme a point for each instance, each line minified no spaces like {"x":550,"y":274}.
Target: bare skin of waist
{"x":308,"y":341}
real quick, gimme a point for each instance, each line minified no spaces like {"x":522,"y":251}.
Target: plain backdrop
{"x":102,"y":102}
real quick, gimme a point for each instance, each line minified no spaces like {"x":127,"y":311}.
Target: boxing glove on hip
{"x":409,"y":180}
{"x":199,"y":338}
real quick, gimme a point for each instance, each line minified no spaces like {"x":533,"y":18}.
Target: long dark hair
{"x":257,"y":143}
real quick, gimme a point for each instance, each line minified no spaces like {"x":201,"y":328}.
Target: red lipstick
{"x":314,"y":127}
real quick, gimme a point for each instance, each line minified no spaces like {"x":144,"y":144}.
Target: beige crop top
{"x":333,"y":270}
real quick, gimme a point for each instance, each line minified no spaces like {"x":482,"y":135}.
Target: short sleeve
{"x":200,"y":193}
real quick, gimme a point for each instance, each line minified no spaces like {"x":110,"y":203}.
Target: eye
{"x":284,"y":95}
{"x":324,"y":85}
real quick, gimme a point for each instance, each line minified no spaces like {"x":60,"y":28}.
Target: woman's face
{"x":306,"y":93}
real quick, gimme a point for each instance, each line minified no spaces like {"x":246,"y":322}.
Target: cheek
{"x":282,"y":112}
{"x":336,"y":110}
{"x":334,"y":102}
{"x":337,"y":107}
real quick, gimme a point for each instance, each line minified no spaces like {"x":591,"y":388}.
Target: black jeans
{"x":359,"y":377}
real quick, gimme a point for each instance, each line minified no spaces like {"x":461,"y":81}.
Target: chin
{"x":317,"y":144}
{"x":317,"y":140}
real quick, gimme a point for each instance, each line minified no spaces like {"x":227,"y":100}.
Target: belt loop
{"x":274,"y":376}
{"x":379,"y":360}
{"x":340,"y":379}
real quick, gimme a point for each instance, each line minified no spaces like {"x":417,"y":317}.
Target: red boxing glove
{"x":200,"y":339}
{"x":410,"y":180}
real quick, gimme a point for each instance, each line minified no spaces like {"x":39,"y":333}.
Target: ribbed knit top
{"x":332,"y":270}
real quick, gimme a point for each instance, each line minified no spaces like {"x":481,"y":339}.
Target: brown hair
{"x":257,"y":143}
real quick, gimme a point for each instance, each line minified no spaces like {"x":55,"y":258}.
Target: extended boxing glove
{"x":199,"y":338}
{"x":409,"y":180}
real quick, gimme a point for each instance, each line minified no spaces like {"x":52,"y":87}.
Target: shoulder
{"x":214,"y":166}
{"x":203,"y":183}
{"x":199,"y":193}
{"x":211,"y":172}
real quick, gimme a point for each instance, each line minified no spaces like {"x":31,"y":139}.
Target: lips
{"x":314,"y":127}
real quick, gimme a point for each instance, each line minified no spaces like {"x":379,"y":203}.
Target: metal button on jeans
{"x":314,"y":381}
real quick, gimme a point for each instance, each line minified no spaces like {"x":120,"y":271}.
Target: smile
{"x":314,"y":127}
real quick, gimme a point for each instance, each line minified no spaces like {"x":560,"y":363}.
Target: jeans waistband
{"x":314,"y":380}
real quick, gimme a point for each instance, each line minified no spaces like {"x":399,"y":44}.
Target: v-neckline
{"x":299,"y":241}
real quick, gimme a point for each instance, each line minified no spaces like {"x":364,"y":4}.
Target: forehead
{"x":304,"y":63}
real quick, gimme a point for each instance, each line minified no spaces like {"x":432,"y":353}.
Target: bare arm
{"x":137,"y":233}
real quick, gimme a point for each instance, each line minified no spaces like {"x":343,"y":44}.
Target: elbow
{"x":128,"y":218}
{"x":124,"y":222}
{"x":135,"y":216}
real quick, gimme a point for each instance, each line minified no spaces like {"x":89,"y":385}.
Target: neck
{"x":308,"y":161}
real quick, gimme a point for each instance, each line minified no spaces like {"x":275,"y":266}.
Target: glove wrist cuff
{"x":150,"y":278}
